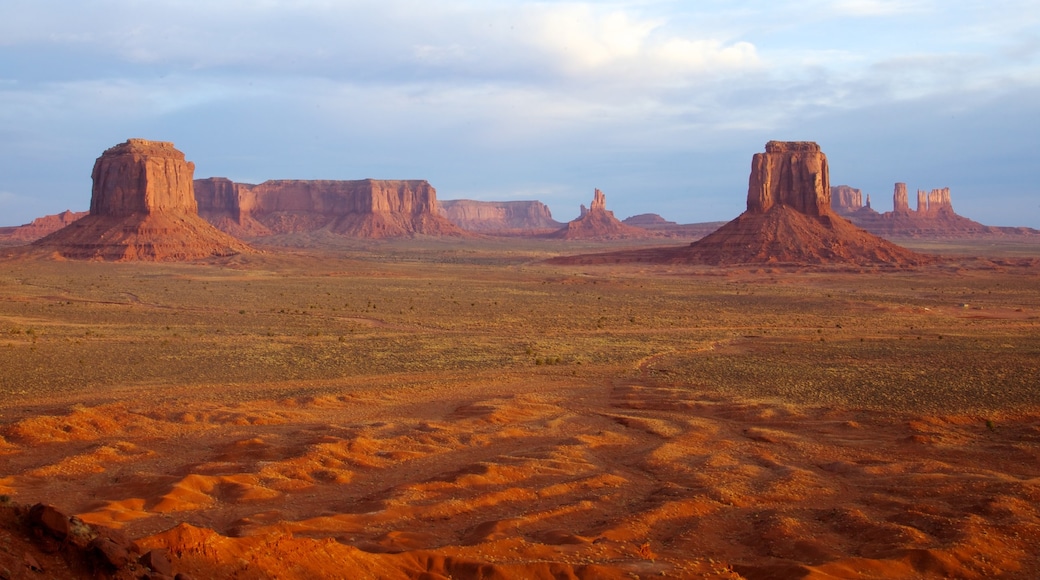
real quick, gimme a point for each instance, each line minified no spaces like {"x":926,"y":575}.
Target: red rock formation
{"x":498,"y":217}
{"x":142,"y":177}
{"x":939,"y":202}
{"x":788,"y":220}
{"x":648,"y":221}
{"x":142,"y":207}
{"x":793,"y":174}
{"x":40,"y":226}
{"x":934,"y":218}
{"x":922,"y":202}
{"x":845,"y":199}
{"x":366,"y":208}
{"x":598,"y":223}
{"x":900,"y":200}
{"x":228,"y":206}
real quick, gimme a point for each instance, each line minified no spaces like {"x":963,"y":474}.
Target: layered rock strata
{"x":367,"y":208}
{"x":846,"y":199}
{"x":499,"y":217}
{"x":142,"y":207}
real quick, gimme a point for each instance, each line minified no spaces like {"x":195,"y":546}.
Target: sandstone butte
{"x":142,"y":207}
{"x":934,"y":216}
{"x":598,"y":223}
{"x":367,"y":208}
{"x":499,"y":217}
{"x":788,"y":220}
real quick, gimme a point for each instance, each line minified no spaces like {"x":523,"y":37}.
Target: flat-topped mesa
{"x":367,"y":208}
{"x":498,"y":216}
{"x":900,"y":200}
{"x":846,"y":199}
{"x":142,"y":177}
{"x":790,"y":173}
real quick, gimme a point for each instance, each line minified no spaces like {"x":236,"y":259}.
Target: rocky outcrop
{"x":648,"y":221}
{"x":900,"y":201}
{"x":499,"y":217}
{"x":788,"y":221}
{"x":845,"y":199}
{"x":598,"y":223}
{"x":939,"y":203}
{"x":142,"y":177}
{"x":40,"y":227}
{"x":142,"y":207}
{"x":792,"y":174}
{"x":367,"y":208}
{"x":933,"y":218}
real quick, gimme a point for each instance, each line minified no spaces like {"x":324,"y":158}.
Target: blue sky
{"x":660,"y":104}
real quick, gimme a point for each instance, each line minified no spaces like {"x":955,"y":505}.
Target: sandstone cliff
{"x":788,"y":221}
{"x":499,"y":217}
{"x":366,"y":208}
{"x":792,"y":174}
{"x":845,"y":199}
{"x":40,"y":226}
{"x":598,"y":223}
{"x":934,"y":217}
{"x":142,"y":207}
{"x":900,"y":200}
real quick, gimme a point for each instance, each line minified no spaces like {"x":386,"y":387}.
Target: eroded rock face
{"x":498,"y":216}
{"x":846,"y":199}
{"x":142,"y":207}
{"x":368,"y":208}
{"x":939,"y":202}
{"x":790,"y":173}
{"x":141,"y":176}
{"x":597,"y":222}
{"x":933,"y":218}
{"x":40,"y":226}
{"x":788,"y":221}
{"x":900,"y":200}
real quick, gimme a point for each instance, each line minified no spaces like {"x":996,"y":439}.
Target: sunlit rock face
{"x":366,"y":208}
{"x":790,"y":173}
{"x":142,"y":207}
{"x":141,"y":176}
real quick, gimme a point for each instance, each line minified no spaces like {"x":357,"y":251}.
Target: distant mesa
{"x":367,"y":208}
{"x":648,"y":221}
{"x":788,"y":220}
{"x":933,"y":217}
{"x":40,"y":227}
{"x":596,"y":222}
{"x":142,"y":207}
{"x":499,"y":217}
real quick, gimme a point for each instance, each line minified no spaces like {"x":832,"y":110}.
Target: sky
{"x":661,"y":104}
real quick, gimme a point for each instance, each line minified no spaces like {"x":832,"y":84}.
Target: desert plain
{"x":458,"y":408}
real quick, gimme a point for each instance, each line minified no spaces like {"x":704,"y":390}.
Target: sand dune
{"x":594,"y":480}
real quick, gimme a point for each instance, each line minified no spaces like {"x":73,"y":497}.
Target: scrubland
{"x":459,"y":408}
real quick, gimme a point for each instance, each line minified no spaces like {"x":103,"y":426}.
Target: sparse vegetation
{"x":526,"y":317}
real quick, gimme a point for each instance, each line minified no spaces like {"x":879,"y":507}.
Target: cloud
{"x":871,"y":8}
